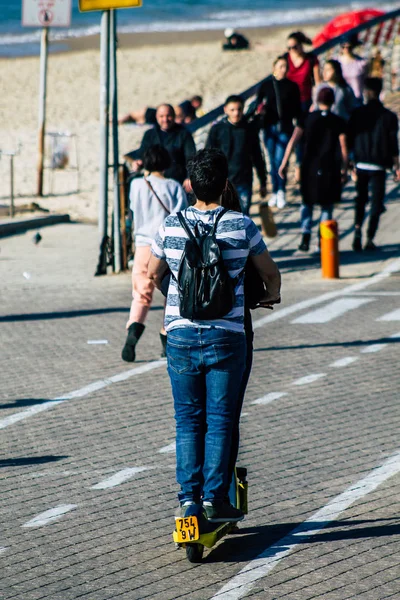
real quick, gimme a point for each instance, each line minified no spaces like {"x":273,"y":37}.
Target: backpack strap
{"x":186,"y":227}
{"x":217,"y":220}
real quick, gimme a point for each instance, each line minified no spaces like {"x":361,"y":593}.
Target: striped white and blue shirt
{"x":237,"y":236}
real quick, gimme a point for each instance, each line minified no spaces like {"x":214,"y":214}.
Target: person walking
{"x":173,"y":137}
{"x":303,"y":69}
{"x":152,"y":198}
{"x":345,"y":100}
{"x":238,"y":139}
{"x":206,"y":357}
{"x":354,"y":67}
{"x":278,"y":104}
{"x":325,"y":162}
{"x":373,"y":138}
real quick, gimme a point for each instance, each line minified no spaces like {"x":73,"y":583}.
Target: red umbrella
{"x":343,"y":23}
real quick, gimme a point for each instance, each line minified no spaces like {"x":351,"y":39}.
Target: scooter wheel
{"x":194,"y":553}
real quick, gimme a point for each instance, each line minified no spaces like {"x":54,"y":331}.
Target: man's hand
{"x":269,"y":300}
{"x":187,"y":186}
{"x":263,"y":191}
{"x":396,"y":175}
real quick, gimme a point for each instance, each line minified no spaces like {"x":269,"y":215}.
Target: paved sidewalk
{"x":90,"y":438}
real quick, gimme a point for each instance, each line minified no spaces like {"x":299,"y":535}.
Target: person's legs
{"x":280,"y":147}
{"x":306,"y":214}
{"x":142,"y":292}
{"x":326,"y":213}
{"x":244,"y":193}
{"x":188,"y":383}
{"x":270,"y":141}
{"x":243,"y":385}
{"x":224,"y":356}
{"x":361,"y":201}
{"x":142,"y":286}
{"x":378,"y":184}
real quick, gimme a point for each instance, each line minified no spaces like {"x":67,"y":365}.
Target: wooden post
{"x":42,"y":107}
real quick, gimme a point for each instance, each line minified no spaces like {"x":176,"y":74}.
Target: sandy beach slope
{"x":152,"y":68}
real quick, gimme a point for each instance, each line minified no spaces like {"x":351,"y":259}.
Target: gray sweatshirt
{"x":148,"y":214}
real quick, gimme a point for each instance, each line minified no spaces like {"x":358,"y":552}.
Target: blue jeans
{"x":275,"y":143}
{"x":206,"y":368}
{"x":306,"y":214}
{"x":245,"y":193}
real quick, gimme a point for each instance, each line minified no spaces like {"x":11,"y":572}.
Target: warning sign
{"x":86,"y":5}
{"x":46,"y":13}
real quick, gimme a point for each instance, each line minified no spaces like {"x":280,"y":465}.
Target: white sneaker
{"x":280,"y":199}
{"x":272,"y":200}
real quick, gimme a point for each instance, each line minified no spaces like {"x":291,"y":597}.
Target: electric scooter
{"x":194,"y":532}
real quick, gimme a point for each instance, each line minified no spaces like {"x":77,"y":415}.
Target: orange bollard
{"x":329,"y":249}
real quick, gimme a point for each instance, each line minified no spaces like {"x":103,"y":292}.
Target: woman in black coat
{"x":324,"y":166}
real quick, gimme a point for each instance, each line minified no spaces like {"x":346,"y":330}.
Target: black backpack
{"x":206,"y":291}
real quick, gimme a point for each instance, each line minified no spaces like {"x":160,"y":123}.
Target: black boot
{"x":357,"y":245}
{"x":134,"y":333}
{"x":305,"y":242}
{"x":163,"y":338}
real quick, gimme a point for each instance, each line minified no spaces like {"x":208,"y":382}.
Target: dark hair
{"x":230,"y":197}
{"x":234,"y":98}
{"x":280,"y":57}
{"x":300,"y":38}
{"x":373,"y":84}
{"x":188,"y":110}
{"x":197,"y":99}
{"x":326,"y":96}
{"x":156,"y":158}
{"x":338,"y":76}
{"x":351,"y":39}
{"x":208,"y":172}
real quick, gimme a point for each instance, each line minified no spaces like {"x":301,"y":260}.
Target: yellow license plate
{"x":187,"y":529}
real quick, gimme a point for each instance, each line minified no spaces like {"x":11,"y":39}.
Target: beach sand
{"x":152,"y":68}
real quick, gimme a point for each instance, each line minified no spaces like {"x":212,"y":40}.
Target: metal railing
{"x":380,"y":33}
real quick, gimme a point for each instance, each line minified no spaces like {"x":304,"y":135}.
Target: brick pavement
{"x":301,"y":450}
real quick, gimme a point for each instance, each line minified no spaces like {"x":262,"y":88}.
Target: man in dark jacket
{"x":240,"y":143}
{"x":373,"y":139}
{"x":174,"y":138}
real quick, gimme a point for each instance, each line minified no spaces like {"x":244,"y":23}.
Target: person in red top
{"x":303,"y":69}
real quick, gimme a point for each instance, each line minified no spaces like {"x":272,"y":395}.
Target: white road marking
{"x":373,"y":348}
{"x":2,"y":550}
{"x":269,"y":398}
{"x":374,"y":293}
{"x":343,"y":362}
{"x":50,"y":515}
{"x":168,"y":449}
{"x":392,"y":316}
{"x":395,"y":335}
{"x":308,"y":379}
{"x":119,"y":478}
{"x":258,"y":568}
{"x":332,"y":311}
{"x":392,"y":267}
{"x":97,"y":341}
{"x":88,"y":389}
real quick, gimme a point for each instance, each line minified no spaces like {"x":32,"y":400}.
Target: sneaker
{"x":370,"y":246}
{"x":222,"y":512}
{"x":280,"y":199}
{"x":357,"y":246}
{"x":304,"y":245}
{"x":272,"y":201}
{"x":181,"y":510}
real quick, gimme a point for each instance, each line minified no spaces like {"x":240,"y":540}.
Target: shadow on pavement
{"x":302,"y":262}
{"x":354,"y":344}
{"x":251,"y":542}
{"x":29,"y":460}
{"x":69,"y":314}
{"x":25,"y":402}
